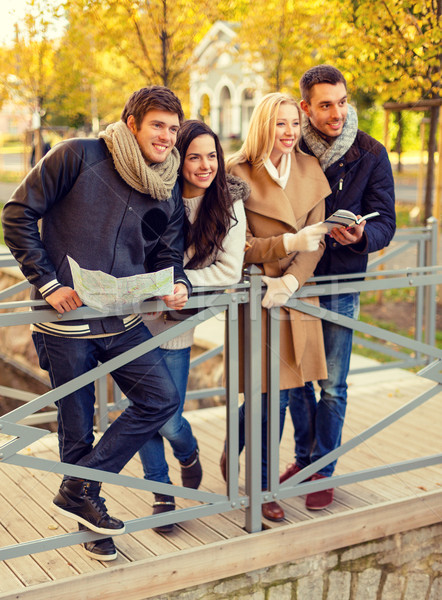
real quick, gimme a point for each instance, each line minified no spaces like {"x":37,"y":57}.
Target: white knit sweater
{"x":225,"y":271}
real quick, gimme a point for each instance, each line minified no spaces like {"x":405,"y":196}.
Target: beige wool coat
{"x":272,"y":211}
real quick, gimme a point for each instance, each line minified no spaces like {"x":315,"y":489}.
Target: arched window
{"x":225,"y":113}
{"x":204,"y":109}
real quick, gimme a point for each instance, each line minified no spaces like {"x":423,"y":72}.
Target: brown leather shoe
{"x":290,"y":471}
{"x":319,"y":500}
{"x":272,"y":511}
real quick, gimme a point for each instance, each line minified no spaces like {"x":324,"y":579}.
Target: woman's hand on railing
{"x":279,"y":290}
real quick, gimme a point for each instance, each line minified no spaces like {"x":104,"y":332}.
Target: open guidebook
{"x":345,"y":218}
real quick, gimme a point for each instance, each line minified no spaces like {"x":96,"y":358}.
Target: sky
{"x":10,"y":12}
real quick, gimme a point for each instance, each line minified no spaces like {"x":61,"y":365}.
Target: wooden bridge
{"x":217,"y":546}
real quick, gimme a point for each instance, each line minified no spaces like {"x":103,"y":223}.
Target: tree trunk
{"x":434,"y":114}
{"x":164,"y":46}
{"x":398,"y":141}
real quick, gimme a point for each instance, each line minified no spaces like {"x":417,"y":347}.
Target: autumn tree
{"x":395,"y":46}
{"x":29,"y":64}
{"x":283,"y":38}
{"x":154,"y":38}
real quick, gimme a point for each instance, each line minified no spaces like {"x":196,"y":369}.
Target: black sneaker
{"x":162,"y":504}
{"x":191,"y":471}
{"x":76,"y":501}
{"x":103,"y":549}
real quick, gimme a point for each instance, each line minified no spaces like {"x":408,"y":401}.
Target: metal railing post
{"x":232,"y":385}
{"x":273,"y":402}
{"x":101,"y":413}
{"x":252,"y":395}
{"x":430,"y":290}
{"x":419,"y":300}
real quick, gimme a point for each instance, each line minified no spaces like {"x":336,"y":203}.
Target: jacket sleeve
{"x":227,"y":267}
{"x":169,"y":251}
{"x":48,"y":182}
{"x":303,"y":264}
{"x":272,"y":250}
{"x":378,"y":196}
{"x":264,"y":250}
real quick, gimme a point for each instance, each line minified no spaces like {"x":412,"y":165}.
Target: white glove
{"x":279,"y":290}
{"x":306,"y":240}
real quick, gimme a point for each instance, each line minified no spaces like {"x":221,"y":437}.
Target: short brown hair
{"x":319,"y":74}
{"x":150,"y":98}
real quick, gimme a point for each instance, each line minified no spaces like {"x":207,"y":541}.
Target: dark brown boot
{"x":162,"y":504}
{"x":191,"y":471}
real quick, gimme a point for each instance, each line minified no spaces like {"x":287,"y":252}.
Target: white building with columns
{"x":223,"y":88}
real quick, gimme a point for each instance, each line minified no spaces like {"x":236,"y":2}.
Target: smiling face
{"x":287,"y":132}
{"x":327,"y":109}
{"x":157,"y":134}
{"x":200,"y":166}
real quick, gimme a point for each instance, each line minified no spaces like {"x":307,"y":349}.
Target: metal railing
{"x":246,"y":296}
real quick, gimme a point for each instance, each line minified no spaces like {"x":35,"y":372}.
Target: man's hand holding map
{"x":102,"y":291}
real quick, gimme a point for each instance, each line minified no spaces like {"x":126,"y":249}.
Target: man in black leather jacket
{"x":112,"y":204}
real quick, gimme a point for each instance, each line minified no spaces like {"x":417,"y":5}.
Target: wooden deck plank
{"x":138,"y":503}
{"x":30,"y":526}
{"x":8,"y":581}
{"x":29,"y":482}
{"x":145,"y":579}
{"x":25,"y":569}
{"x":129,"y":549}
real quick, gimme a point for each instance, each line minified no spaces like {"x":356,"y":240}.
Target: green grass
{"x":389,"y":326}
{"x":15,"y":148}
{"x":376,"y":355}
{"x":11,"y":176}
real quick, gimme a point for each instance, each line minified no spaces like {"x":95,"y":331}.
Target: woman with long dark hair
{"x":215,"y":241}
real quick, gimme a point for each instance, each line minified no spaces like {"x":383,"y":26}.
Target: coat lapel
{"x":303,"y":191}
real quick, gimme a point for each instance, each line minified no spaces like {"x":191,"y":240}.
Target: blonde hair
{"x":260,"y":137}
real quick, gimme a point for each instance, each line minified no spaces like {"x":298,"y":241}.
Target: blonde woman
{"x":285,"y":238}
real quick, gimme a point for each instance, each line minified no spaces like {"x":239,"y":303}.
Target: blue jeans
{"x":177,"y":429}
{"x":145,"y":381}
{"x":318,"y":425}
{"x":283,"y":402}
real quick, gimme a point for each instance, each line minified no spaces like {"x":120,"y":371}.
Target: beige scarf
{"x":156,"y":179}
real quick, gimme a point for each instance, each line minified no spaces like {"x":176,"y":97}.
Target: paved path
{"x":6,"y":190}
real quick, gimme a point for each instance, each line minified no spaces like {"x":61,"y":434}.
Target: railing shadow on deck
{"x":17,"y":429}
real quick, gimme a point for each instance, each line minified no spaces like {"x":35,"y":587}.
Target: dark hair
{"x":319,"y":74}
{"x":150,"y":98}
{"x":207,"y":232}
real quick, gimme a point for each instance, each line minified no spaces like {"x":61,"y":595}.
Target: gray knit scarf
{"x":156,"y":179}
{"x":327,"y":153}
